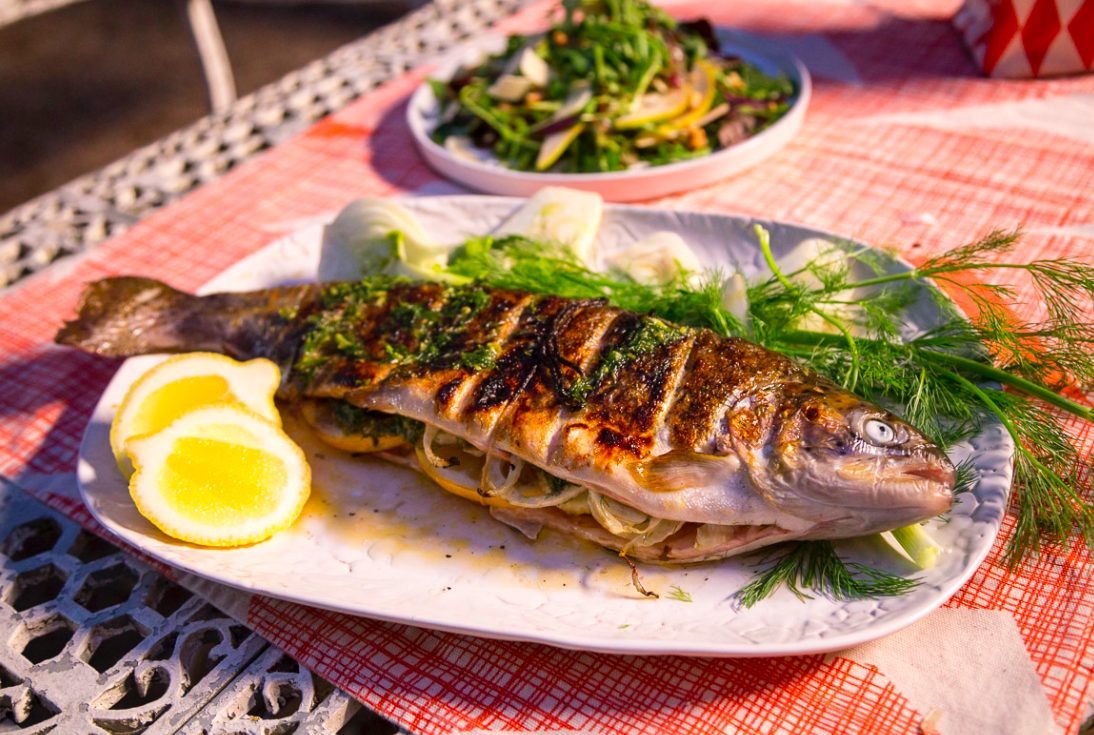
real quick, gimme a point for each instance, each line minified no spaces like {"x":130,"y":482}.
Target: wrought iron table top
{"x":121,"y":648}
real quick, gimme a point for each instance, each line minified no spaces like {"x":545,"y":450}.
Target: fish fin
{"x":680,"y":469}
{"x":127,"y":315}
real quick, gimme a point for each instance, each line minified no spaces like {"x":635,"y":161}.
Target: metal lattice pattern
{"x":98,"y":643}
{"x":95,"y":207}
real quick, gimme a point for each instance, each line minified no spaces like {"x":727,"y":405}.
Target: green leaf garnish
{"x":676,"y":593}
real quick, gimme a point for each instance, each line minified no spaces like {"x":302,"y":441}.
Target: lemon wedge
{"x":182,"y":383}
{"x":219,"y":476}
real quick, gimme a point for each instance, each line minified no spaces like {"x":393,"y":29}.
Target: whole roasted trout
{"x":668,"y":443}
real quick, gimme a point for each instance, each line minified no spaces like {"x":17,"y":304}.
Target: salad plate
{"x":381,"y":541}
{"x":481,"y":172}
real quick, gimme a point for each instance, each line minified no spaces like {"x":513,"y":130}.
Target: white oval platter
{"x":381,"y":541}
{"x":493,"y":177}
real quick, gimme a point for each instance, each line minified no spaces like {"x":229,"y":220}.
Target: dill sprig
{"x":852,"y":328}
{"x":815,"y":566}
{"x":934,"y":378}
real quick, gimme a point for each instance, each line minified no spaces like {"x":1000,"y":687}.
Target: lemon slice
{"x":460,"y":478}
{"x":219,"y":476}
{"x":185,"y":382}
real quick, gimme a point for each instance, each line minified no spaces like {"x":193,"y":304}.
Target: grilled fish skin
{"x":675,"y":422}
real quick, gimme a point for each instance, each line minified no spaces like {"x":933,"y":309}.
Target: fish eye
{"x":880,"y":432}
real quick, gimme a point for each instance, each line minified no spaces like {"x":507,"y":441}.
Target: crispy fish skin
{"x":675,"y":422}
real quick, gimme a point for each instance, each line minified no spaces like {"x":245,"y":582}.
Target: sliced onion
{"x":629,"y":523}
{"x":428,"y":437}
{"x":523,"y":492}
{"x":490,"y":485}
{"x":538,"y":494}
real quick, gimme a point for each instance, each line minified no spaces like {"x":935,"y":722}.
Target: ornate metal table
{"x":123,"y":650}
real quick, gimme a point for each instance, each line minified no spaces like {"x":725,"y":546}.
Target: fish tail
{"x":129,"y":315}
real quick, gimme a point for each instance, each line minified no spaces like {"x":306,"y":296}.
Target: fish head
{"x":850,"y":465}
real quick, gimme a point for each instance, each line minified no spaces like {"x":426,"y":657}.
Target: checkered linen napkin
{"x":1029,"y":38}
{"x":905,"y":146}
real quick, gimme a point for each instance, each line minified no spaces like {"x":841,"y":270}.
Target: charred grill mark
{"x":533,"y":416}
{"x":555,"y":359}
{"x":502,"y":383}
{"x":401,"y":331}
{"x":635,"y":400}
{"x":521,"y":357}
{"x":499,"y":320}
{"x":719,"y":372}
{"x":637,"y":371}
{"x":447,"y":392}
{"x":581,"y":343}
{"x":635,"y":445}
{"x":576,"y":394}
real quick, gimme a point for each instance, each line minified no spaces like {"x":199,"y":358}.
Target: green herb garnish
{"x":933,"y":379}
{"x":676,"y":593}
{"x":816,"y":567}
{"x":650,"y":335}
{"x":375,"y":424}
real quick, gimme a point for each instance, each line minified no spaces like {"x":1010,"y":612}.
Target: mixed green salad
{"x":613,"y":85}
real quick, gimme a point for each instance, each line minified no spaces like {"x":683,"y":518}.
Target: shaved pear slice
{"x":534,"y":68}
{"x":655,"y":107}
{"x":555,"y":144}
{"x":572,"y":106}
{"x":575,"y":101}
{"x":510,"y":88}
{"x":703,"y":80}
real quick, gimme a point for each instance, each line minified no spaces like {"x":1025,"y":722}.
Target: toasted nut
{"x":697,"y":138}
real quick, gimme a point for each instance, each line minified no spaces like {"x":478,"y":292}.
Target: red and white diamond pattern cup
{"x":1029,"y":38}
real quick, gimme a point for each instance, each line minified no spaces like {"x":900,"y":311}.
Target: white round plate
{"x":492,"y":177}
{"x":381,"y":541}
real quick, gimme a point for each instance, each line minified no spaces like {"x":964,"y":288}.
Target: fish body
{"x":670,"y":443}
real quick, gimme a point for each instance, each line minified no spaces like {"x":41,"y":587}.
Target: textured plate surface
{"x":381,"y":541}
{"x":619,"y":186}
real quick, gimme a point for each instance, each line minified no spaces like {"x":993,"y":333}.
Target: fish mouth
{"x":923,"y":487}
{"x":933,"y":473}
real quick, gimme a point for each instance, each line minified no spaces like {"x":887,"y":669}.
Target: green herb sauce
{"x":652,"y":334}
{"x":375,"y":424}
